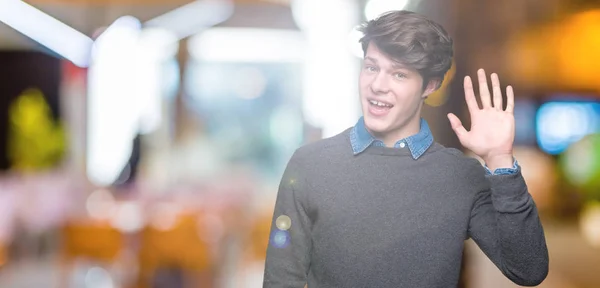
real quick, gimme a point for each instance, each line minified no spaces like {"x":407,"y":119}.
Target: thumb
{"x":457,"y":126}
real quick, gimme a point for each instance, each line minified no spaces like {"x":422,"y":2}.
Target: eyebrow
{"x":371,"y":59}
{"x":395,"y":65}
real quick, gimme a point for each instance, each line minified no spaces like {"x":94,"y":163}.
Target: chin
{"x":377,"y":126}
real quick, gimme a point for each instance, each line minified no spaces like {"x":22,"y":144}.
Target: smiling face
{"x":391,"y":96}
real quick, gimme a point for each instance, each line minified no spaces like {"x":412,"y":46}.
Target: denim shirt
{"x":361,"y":139}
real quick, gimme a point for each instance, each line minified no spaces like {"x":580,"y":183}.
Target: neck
{"x":409,"y":128}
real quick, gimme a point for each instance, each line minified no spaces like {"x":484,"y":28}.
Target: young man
{"x":382,"y":204}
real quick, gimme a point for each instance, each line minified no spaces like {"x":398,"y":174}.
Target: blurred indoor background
{"x":142,"y":141}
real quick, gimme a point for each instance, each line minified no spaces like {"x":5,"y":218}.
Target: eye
{"x":370,"y":68}
{"x":400,"y":75}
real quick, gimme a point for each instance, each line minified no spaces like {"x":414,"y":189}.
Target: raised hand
{"x":492,"y":130}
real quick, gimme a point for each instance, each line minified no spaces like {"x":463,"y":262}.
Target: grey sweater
{"x":384,"y":219}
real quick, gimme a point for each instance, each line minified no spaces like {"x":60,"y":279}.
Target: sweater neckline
{"x":399,"y":152}
{"x":388,"y":151}
{"x":392,"y":151}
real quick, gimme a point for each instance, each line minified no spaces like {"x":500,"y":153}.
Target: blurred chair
{"x":89,"y":240}
{"x":3,"y":255}
{"x":176,"y":248}
{"x":250,"y":268}
{"x":98,"y":241}
{"x":259,"y":238}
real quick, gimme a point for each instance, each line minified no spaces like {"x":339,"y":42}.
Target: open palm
{"x":492,"y":127}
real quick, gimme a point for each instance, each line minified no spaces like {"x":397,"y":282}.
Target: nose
{"x":379,"y":84}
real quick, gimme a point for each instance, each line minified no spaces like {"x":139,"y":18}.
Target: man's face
{"x":390,"y":93}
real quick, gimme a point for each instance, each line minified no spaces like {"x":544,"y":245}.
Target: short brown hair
{"x":412,"y":40}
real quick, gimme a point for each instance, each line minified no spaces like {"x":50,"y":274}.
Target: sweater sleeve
{"x":288,"y":254}
{"x":505,"y":224}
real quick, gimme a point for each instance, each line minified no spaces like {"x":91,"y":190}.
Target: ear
{"x":432,"y":86}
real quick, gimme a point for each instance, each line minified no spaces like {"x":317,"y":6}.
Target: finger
{"x":457,"y":126}
{"x":497,"y":91}
{"x":510,"y":99}
{"x":470,"y":95}
{"x":484,"y":91}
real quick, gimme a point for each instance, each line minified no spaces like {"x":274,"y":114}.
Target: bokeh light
{"x":283,"y":222}
{"x":590,"y":223}
{"x":101,"y":204}
{"x":280,"y":239}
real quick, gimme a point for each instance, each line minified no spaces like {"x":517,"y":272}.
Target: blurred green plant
{"x":581,"y":165}
{"x":35,"y":141}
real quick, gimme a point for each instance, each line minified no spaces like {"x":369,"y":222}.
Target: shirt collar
{"x":361,"y":139}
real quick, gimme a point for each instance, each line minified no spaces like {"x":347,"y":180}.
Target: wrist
{"x":499,"y":161}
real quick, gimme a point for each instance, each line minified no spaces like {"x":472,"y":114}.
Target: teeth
{"x":379,"y":103}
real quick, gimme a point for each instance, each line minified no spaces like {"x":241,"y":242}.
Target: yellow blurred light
{"x":578,"y":50}
{"x":563,"y":55}
{"x":439,"y":97}
{"x":529,"y":57}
